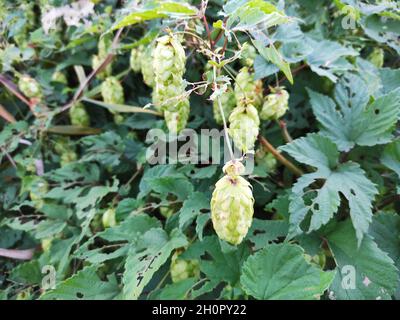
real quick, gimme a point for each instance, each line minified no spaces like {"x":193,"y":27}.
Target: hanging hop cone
{"x":38,"y":189}
{"x":79,"y":116}
{"x":228,"y":103}
{"x":265,"y":160}
{"x":147,"y":66}
{"x":275,"y":104}
{"x":248,"y":90}
{"x":377,"y":57}
{"x":135,"y":59}
{"x":108,"y":218}
{"x":182,"y":269}
{"x":112,"y":91}
{"x":232,"y":204}
{"x":248,"y":54}
{"x":30,"y":87}
{"x":243,"y":127}
{"x":96,"y":61}
{"x":169,"y":93}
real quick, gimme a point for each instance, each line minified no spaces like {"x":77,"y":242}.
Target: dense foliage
{"x":306,"y":205}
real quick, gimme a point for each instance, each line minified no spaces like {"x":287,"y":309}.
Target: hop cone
{"x":182,"y":269}
{"x":243,"y":127}
{"x":65,"y":150}
{"x":112,"y":91}
{"x":147,"y":66}
{"x":248,"y":90}
{"x":29,"y":87}
{"x":232,"y":206}
{"x":228,"y":103}
{"x":169,"y":95}
{"x":135,"y":59}
{"x":275,"y":105}
{"x":248,"y":54}
{"x":79,"y":116}
{"x":38,"y":189}
{"x":60,"y":77}
{"x":96,"y":61}
{"x":108,"y":218}
{"x":376,"y":57}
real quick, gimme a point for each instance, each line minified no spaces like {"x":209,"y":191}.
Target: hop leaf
{"x":275,"y":105}
{"x":232,"y":207}
{"x":243,"y":129}
{"x":248,"y":90}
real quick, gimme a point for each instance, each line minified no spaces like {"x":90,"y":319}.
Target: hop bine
{"x":243,"y":127}
{"x":275,"y":105}
{"x":232,"y":204}
{"x":169,"y":94}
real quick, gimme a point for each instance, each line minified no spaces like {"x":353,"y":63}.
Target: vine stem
{"x":278,"y":156}
{"x":228,"y":142}
{"x":17,"y":254}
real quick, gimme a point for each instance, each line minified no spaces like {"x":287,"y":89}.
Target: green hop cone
{"x":108,"y":218}
{"x":248,"y":90}
{"x":46,"y":244}
{"x":147,"y":66}
{"x":38,"y":189}
{"x":96,"y":61}
{"x":66,"y":151}
{"x":275,"y":105}
{"x":266,"y":160}
{"x":377,"y":57}
{"x":68,"y":157}
{"x":59,"y":77}
{"x":104,"y":45}
{"x":182,"y":269}
{"x":30,"y":87}
{"x":228,"y":103}
{"x":166,"y":212}
{"x":243,"y":127}
{"x":169,"y":94}
{"x":248,"y":54}
{"x":112,"y":91}
{"x":79,"y":116}
{"x":135,"y":59}
{"x":232,"y":205}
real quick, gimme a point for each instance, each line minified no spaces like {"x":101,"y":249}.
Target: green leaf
{"x":391,"y":156}
{"x":176,"y":291}
{"x":163,"y":9}
{"x":263,"y":232}
{"x":376,"y":276}
{"x":146,"y":258}
{"x":346,"y":178}
{"x":192,"y":207}
{"x":27,"y":273}
{"x":356,"y":123}
{"x":280,"y":272}
{"x":84,"y":285}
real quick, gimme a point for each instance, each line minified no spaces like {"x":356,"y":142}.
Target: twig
{"x":6,"y":115}
{"x":203,"y":7}
{"x":17,"y":254}
{"x":14,"y":90}
{"x":278,"y":156}
{"x":285,"y":132}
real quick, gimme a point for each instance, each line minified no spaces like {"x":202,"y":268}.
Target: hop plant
{"x":113,"y":93}
{"x":232,"y":204}
{"x":30,"y":87}
{"x":248,"y":90}
{"x":265,"y":160}
{"x":243,"y":127}
{"x":169,"y":94}
{"x":135,"y":59}
{"x":65,"y":150}
{"x":228,"y":103}
{"x":79,"y":116}
{"x":147,"y":66}
{"x":275,"y":104}
{"x":182,"y":269}
{"x":376,"y":57}
{"x":38,"y":188}
{"x":248,"y":54}
{"x":108,"y":218}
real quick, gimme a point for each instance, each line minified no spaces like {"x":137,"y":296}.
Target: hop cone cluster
{"x":79,"y":116}
{"x":182,"y":269}
{"x":147,"y":66}
{"x":243,"y":127}
{"x":248,"y":54}
{"x":275,"y":105}
{"x":30,"y":87}
{"x":228,"y":103}
{"x":113,"y":93}
{"x":232,"y":205}
{"x":65,"y":150}
{"x":248,"y":90}
{"x":169,"y":93}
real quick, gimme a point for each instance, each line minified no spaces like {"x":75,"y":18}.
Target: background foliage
{"x":344,"y":108}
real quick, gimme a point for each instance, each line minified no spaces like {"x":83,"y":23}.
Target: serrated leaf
{"x":146,"y":258}
{"x":264,"y":231}
{"x":376,"y":276}
{"x":192,"y":207}
{"x":280,"y":272}
{"x":84,"y":285}
{"x":346,"y":178}
{"x":356,"y":122}
{"x":391,"y":156}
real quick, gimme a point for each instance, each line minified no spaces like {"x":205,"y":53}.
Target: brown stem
{"x":220,"y":33}
{"x":285,"y":133}
{"x":206,"y":25}
{"x":17,"y":254}
{"x":387,"y":201}
{"x":278,"y":156}
{"x":14,"y":90}
{"x":6,"y":115}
